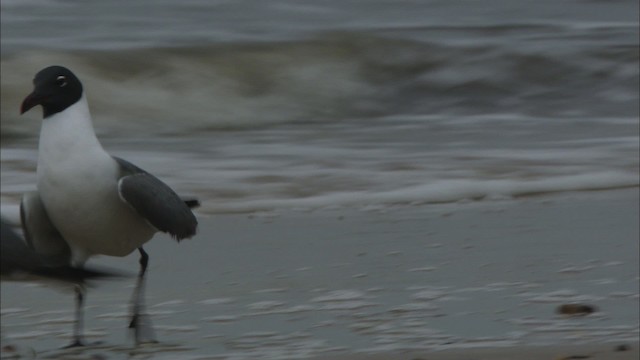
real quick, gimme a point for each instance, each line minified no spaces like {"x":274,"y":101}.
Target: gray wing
{"x":155,"y":201}
{"x":40,"y":233}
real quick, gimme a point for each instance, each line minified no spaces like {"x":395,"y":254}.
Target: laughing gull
{"x":98,"y":204}
{"x":21,"y":263}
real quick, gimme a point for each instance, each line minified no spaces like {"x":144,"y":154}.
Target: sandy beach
{"x":474,"y":280}
{"x":568,"y":352}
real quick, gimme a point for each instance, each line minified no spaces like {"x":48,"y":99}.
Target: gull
{"x":95,"y":203}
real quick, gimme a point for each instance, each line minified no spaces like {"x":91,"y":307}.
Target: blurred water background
{"x":299,"y":104}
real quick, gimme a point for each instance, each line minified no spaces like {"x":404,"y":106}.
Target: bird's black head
{"x":55,"y":88}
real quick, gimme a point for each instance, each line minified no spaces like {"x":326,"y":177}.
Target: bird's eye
{"x":61,"y":81}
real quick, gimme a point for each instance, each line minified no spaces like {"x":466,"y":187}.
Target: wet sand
{"x":568,"y":352}
{"x":475,"y":280}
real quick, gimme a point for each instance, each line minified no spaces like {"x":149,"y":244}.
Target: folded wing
{"x":155,"y":201}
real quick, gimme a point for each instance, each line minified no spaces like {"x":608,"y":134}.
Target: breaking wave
{"x":336,"y":76}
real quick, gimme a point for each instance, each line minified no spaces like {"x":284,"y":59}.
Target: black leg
{"x":140,"y":322}
{"x":78,"y":325}
{"x":144,"y":261}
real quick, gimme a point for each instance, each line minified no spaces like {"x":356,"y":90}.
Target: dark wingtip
{"x":188,"y":230}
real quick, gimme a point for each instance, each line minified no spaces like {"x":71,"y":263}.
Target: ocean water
{"x":265,"y":106}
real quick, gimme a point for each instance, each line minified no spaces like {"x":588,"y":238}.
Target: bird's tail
{"x":192,"y":203}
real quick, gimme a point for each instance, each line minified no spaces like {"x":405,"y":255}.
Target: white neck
{"x":69,"y":134}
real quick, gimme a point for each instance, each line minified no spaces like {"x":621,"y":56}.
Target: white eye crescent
{"x":61,"y":81}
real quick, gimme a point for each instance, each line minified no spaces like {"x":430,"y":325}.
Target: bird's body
{"x":78,"y":185}
{"x":89,"y":202}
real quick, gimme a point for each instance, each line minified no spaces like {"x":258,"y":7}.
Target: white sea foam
{"x":340,"y":296}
